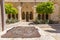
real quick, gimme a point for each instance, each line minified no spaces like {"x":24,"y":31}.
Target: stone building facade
{"x":27,"y":9}
{"x":27,"y":12}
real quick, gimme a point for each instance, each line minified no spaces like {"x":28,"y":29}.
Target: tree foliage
{"x":45,"y":7}
{"x":10,"y":9}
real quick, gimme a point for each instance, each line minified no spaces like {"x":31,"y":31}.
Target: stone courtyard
{"x":22,"y":32}
{"x":44,"y":35}
{"x":44,"y":32}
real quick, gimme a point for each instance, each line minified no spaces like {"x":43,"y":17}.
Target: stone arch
{"x":27,"y":16}
{"x":23,"y":15}
{"x":31,"y":15}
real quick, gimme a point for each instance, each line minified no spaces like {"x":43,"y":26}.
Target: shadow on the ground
{"x":54,"y":26}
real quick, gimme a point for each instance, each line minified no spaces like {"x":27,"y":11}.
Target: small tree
{"x":9,"y":9}
{"x":45,"y":8}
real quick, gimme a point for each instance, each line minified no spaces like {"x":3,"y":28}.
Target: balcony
{"x":11,"y":0}
{"x":26,"y":0}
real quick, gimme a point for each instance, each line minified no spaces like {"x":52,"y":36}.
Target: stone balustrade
{"x":26,"y":0}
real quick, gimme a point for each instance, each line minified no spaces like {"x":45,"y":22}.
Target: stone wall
{"x":30,"y":7}
{"x":55,"y":15}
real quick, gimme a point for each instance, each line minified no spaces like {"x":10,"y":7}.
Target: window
{"x":46,"y":16}
{"x":9,"y":16}
{"x":39,"y":16}
{"x":23,"y":15}
{"x":13,"y":16}
{"x":27,"y":15}
{"x":17,"y":16}
{"x":31,"y":15}
{"x":43,"y":16}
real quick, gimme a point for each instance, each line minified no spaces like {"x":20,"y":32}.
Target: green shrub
{"x":9,"y":9}
{"x":53,"y":22}
{"x":45,"y":8}
{"x":9,"y":21}
{"x":45,"y":22}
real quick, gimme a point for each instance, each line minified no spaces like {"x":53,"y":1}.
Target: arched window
{"x":31,"y":15}
{"x":9,"y":16}
{"x":27,"y":15}
{"x":46,"y":16}
{"x":17,"y":16}
{"x":43,"y":16}
{"x":23,"y":15}
{"x":39,"y":16}
{"x":13,"y":16}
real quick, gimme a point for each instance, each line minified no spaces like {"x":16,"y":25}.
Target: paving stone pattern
{"x":22,"y":32}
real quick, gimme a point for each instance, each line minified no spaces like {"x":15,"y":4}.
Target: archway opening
{"x":31,"y":15}
{"x":23,"y":15}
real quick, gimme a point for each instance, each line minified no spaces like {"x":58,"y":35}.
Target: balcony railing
{"x":25,"y":0}
{"x":11,"y":0}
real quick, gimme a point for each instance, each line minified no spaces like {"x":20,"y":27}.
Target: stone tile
{"x":44,"y":36}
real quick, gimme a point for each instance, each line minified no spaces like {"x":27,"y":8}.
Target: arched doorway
{"x":43,"y":16}
{"x":27,"y":16}
{"x":28,"y":11}
{"x":23,"y":15}
{"x":31,"y":15}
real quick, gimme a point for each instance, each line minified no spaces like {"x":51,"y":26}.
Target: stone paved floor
{"x":22,"y":32}
{"x":44,"y":35}
{"x":44,"y":27}
{"x":53,"y":31}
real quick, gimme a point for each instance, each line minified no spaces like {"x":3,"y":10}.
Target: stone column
{"x":35,"y":14}
{"x":0,"y":19}
{"x":19,"y":13}
{"x":59,"y":13}
{"x":3,"y":15}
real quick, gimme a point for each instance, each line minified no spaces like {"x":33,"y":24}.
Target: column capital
{"x":35,"y":6}
{"x":19,"y":12}
{"x":19,"y":7}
